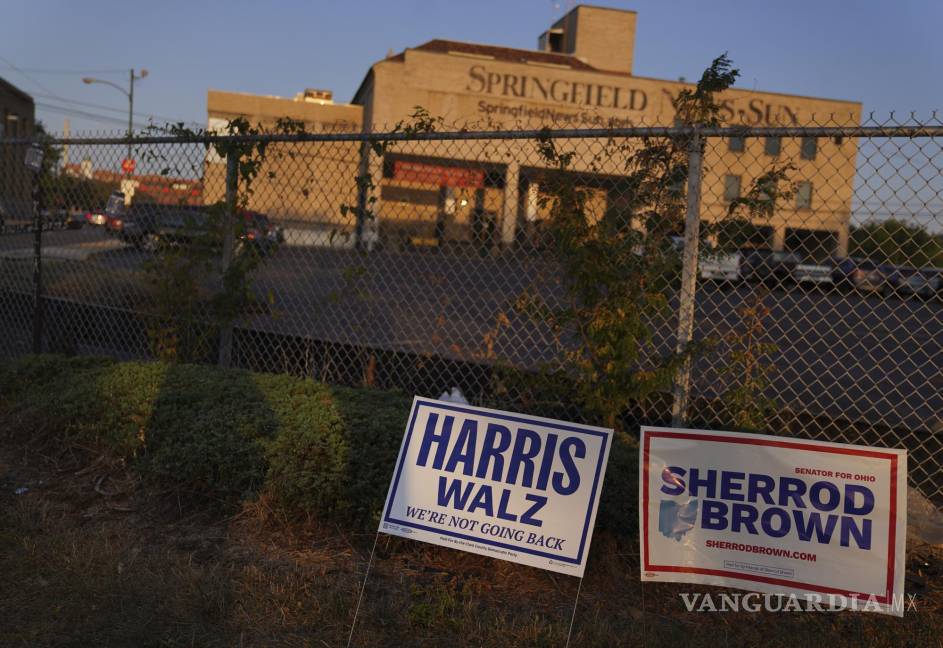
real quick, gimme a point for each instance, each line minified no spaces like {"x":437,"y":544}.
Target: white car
{"x":725,"y":267}
{"x":813,"y":273}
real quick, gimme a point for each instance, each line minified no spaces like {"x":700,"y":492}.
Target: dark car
{"x":74,"y":219}
{"x":858,"y":274}
{"x":894,"y":278}
{"x":145,"y":224}
{"x":259,"y":232}
{"x":766,"y":266}
{"x":149,"y":226}
{"x":912,"y":282}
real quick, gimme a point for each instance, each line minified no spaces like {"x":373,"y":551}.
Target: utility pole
{"x":65,"y":147}
{"x":131,"y":109}
{"x":129,"y":93}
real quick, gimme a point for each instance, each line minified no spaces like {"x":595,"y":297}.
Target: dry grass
{"x":89,"y":558}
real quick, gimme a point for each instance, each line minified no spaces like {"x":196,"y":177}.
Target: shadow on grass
{"x":254,"y":517}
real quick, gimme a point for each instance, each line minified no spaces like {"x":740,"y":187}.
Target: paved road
{"x":24,"y":240}
{"x":843,"y":355}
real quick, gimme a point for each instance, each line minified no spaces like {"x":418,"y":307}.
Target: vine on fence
{"x":749,"y":368}
{"x":420,"y":121}
{"x":619,"y":270}
{"x":193,"y":295}
{"x":617,"y":267}
{"x":748,"y":361}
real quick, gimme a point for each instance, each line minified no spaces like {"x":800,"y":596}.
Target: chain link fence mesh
{"x":415,"y":260}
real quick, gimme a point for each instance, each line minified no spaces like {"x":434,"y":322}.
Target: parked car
{"x":895,"y":278}
{"x":100,"y":218}
{"x":149,"y":226}
{"x":858,"y":274}
{"x":259,"y":231}
{"x":907,"y":282}
{"x":814,"y":274}
{"x":74,"y":219}
{"x":724,"y":267}
{"x":767,"y":266}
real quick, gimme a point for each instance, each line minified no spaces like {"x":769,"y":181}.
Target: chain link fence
{"x":784,"y":280}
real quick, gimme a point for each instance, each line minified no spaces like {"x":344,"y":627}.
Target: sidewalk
{"x":77,"y":252}
{"x":323,"y":236}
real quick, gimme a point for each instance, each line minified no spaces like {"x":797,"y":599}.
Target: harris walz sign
{"x":510,"y":486}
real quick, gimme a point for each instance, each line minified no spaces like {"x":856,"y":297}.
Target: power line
{"x":63,"y":71}
{"x":27,"y":76}
{"x":106,"y":119}
{"x":52,"y":95}
{"x":75,"y":112}
{"x":116,"y":110}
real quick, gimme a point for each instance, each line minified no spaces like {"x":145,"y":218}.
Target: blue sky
{"x":887,"y":55}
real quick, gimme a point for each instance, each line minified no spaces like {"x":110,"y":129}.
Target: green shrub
{"x":206,"y":431}
{"x":307,"y":460}
{"x":225,"y":435}
{"x":48,"y":397}
{"x":222,"y":434}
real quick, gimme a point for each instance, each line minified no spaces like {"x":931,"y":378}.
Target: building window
{"x":731,"y":187}
{"x":555,"y":39}
{"x":804,"y":195}
{"x":773,"y":145}
{"x":810,"y":147}
{"x":737,"y":144}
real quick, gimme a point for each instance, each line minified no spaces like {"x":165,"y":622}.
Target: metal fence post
{"x":37,"y":270}
{"x":229,"y":222}
{"x":34,"y":161}
{"x":362,"y":194}
{"x":692,"y":228}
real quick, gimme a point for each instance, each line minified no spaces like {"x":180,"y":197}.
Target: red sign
{"x":443,"y":176}
{"x":127,"y":165}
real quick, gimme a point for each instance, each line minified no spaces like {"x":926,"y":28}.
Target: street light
{"x":128,"y":93}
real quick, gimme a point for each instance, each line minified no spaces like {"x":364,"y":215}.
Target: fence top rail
{"x":571,"y":133}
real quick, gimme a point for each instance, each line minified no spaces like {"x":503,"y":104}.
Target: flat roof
{"x":592,"y":6}
{"x":523,"y":56}
{"x":499,"y":53}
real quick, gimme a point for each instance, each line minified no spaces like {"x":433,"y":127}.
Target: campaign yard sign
{"x":510,"y":486}
{"x":822,"y":521}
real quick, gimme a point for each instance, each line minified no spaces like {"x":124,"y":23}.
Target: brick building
{"x":17,"y":119}
{"x":580,"y":75}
